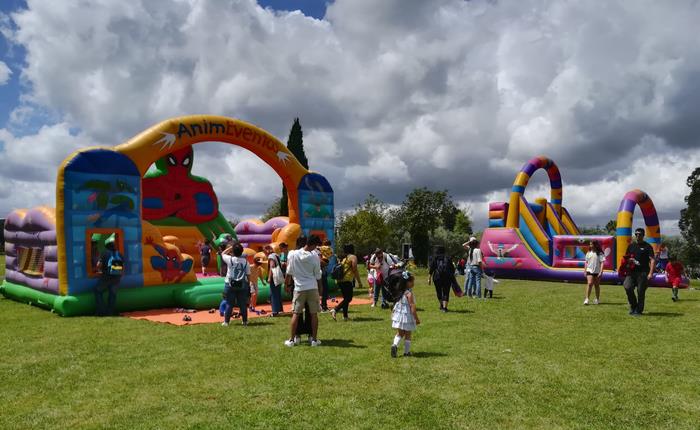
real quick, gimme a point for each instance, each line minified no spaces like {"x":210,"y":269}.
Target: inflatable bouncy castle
{"x":143,"y":196}
{"x":540,"y":240}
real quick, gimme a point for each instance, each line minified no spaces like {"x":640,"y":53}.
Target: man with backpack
{"x":442,"y":273}
{"x":111,"y":268}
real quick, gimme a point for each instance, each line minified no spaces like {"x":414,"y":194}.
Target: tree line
{"x":425,"y":218}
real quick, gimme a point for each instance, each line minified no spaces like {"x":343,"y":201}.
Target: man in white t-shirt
{"x":304,"y":269}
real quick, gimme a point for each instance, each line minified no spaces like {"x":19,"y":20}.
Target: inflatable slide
{"x":143,"y":195}
{"x":540,"y":240}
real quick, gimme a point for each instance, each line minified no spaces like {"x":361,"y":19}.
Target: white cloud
{"x":392,"y":95}
{"x":5,"y":73}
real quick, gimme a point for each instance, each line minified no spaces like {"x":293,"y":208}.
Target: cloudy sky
{"x":392,"y":94}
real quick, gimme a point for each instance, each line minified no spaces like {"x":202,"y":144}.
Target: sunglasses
{"x":639,"y":234}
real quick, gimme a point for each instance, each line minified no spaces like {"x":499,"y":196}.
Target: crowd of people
{"x":305,"y":271}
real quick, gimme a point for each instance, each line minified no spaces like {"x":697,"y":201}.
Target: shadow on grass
{"x":611,"y":304}
{"x":366,"y":319}
{"x":258,"y":322}
{"x":342,"y":343}
{"x":427,"y":354}
{"x":664,"y":314}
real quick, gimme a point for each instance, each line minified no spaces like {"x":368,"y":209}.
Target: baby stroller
{"x":391,"y":288}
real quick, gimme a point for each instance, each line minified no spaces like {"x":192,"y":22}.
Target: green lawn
{"x":533,"y":357}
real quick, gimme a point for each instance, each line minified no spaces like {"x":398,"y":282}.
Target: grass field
{"x":532,"y":357}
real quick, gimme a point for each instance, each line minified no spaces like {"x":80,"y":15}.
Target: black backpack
{"x":338,"y":271}
{"x":443,"y":271}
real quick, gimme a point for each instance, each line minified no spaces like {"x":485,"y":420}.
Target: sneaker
{"x":289,"y":342}
{"x":315,"y":342}
{"x":585,"y":302}
{"x":245,"y":324}
{"x":346,"y":319}
{"x":394,"y":349}
{"x":407,"y":354}
{"x":675,"y":299}
{"x":373,"y":305}
{"x":333,"y":312}
{"x":595,"y":302}
{"x":297,"y":340}
{"x":224,"y":324}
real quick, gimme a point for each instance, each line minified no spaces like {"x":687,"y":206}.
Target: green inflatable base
{"x":203,"y":294}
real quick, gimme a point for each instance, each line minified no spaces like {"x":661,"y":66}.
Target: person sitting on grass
{"x":674,"y":274}
{"x":255,"y":275}
{"x":237,"y":286}
{"x":404,"y":317}
{"x":595,"y":259}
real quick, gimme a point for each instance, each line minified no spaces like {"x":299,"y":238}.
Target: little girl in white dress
{"x":404,"y":317}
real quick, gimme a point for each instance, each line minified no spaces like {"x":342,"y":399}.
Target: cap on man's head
{"x":472,"y":239}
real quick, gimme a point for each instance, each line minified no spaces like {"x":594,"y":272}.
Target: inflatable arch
{"x":541,"y":240}
{"x":143,"y":194}
{"x":625,"y":215}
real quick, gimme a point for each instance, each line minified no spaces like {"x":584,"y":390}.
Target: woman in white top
{"x":595,"y":258}
{"x":475,"y":268}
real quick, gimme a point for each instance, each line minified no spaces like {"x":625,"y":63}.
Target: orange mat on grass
{"x":169,"y":316}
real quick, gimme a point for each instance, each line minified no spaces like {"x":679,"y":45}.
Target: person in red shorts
{"x":674,"y":273}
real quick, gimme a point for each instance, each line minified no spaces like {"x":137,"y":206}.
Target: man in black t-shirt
{"x":643,"y":255}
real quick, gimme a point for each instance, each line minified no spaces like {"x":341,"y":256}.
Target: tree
{"x":274,"y":210}
{"x":689,"y":222}
{"x":295,"y":144}
{"x":463,"y":222}
{"x":676,"y":247}
{"x":366,"y":227}
{"x":421,"y":214}
{"x":593,"y":231}
{"x":611,"y":227}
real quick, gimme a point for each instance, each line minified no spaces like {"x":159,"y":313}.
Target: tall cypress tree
{"x":295,"y":144}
